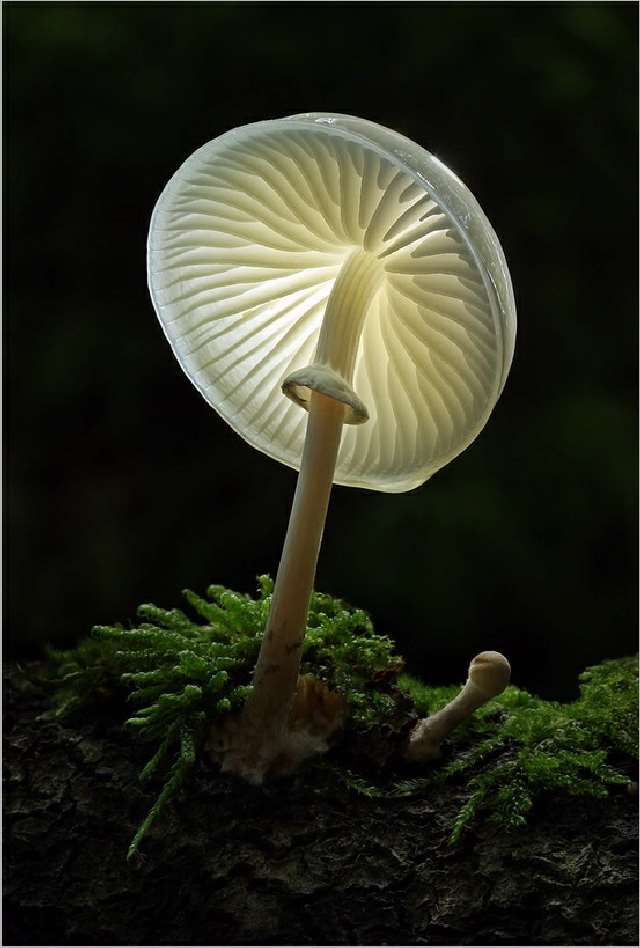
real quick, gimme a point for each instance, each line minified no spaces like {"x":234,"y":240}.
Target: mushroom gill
{"x":246,"y":246}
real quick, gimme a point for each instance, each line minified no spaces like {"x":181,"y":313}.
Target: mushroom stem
{"x":276,"y":673}
{"x":489,"y":675}
{"x":354,"y":288}
{"x":325,"y":391}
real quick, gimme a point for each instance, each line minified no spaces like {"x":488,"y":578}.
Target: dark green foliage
{"x":85,"y":675}
{"x":612,"y":686}
{"x":182,"y":673}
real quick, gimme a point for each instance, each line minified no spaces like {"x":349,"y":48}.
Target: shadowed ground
{"x":297,"y":862}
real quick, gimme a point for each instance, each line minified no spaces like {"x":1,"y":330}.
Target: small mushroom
{"x":335,"y":261}
{"x":489,"y":675}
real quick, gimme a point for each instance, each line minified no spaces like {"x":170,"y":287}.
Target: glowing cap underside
{"x":245,"y":243}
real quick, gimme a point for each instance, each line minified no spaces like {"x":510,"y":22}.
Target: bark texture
{"x":289,"y":864}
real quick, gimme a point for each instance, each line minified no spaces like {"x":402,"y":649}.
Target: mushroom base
{"x":255,"y":749}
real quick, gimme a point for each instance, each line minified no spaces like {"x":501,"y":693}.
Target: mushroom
{"x":333,"y":260}
{"x":489,"y":674}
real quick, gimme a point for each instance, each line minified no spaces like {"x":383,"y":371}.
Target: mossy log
{"x":297,"y":862}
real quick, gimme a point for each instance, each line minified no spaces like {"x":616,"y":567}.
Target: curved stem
{"x":276,"y":673}
{"x":355,"y":287}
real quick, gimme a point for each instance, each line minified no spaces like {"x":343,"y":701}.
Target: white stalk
{"x":276,"y":673}
{"x":489,"y":675}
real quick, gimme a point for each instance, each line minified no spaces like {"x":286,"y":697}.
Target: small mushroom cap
{"x":490,"y":672}
{"x":245,"y":244}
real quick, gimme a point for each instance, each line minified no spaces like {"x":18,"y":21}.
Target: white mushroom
{"x":331,"y":259}
{"x":489,"y":675}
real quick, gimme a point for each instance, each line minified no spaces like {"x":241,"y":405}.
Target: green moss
{"x":182,"y":670}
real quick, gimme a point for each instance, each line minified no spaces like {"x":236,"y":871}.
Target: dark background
{"x":123,"y":486}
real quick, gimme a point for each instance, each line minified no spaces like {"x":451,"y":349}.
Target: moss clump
{"x":182,"y":673}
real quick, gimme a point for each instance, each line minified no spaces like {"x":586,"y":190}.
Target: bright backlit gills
{"x":246,"y":244}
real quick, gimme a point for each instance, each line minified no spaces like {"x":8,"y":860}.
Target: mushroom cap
{"x":245,"y":244}
{"x":490,"y":672}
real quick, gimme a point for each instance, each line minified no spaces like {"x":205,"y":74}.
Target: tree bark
{"x":297,"y":863}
